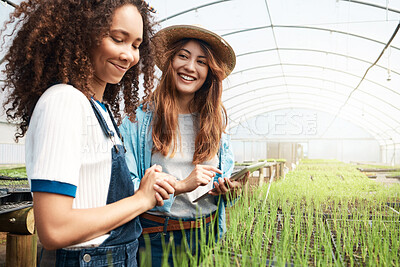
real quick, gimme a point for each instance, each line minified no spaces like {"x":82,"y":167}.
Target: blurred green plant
{"x":291,"y":225}
{"x":19,"y":172}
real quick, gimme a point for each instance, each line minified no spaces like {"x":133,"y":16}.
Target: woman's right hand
{"x":200,"y":176}
{"x":155,"y":186}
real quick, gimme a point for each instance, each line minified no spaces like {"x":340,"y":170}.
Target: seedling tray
{"x":365,"y":242}
{"x":289,"y":241}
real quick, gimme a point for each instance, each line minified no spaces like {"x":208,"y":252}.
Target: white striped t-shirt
{"x":66,"y":150}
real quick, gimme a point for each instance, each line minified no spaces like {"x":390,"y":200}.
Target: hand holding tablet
{"x":238,"y":175}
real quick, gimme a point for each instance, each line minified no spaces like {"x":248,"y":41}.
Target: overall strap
{"x":107,"y":131}
{"x":115,"y":124}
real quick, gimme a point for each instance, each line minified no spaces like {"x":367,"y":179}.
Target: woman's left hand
{"x":227,"y":188}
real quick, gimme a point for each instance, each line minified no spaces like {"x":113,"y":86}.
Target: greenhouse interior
{"x":315,"y":96}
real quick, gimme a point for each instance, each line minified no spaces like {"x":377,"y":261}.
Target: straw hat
{"x":172,"y":34}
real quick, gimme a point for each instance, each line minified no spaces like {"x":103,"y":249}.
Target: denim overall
{"x":120,"y":248}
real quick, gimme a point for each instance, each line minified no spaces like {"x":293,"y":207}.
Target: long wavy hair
{"x":210,"y":115}
{"x":51,"y":44}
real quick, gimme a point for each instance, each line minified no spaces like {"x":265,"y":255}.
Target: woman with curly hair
{"x":69,"y":65}
{"x":181,"y":128}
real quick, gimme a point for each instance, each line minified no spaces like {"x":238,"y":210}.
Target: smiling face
{"x":190,"y":69}
{"x":119,"y":50}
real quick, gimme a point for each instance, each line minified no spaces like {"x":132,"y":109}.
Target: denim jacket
{"x":139,"y":143}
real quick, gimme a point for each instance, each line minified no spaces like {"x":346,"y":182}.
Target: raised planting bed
{"x":278,"y":240}
{"x":10,"y":182}
{"x":245,"y":163}
{"x":14,"y":199}
{"x":365,"y":242}
{"x":13,"y":180}
{"x":378,"y":170}
{"x":19,"y":172}
{"x":328,"y":210}
{"x":12,"y":206}
{"x":289,"y":227}
{"x":273,"y":160}
{"x":14,"y":190}
{"x":393,"y":175}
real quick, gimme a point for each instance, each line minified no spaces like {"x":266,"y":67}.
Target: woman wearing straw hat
{"x":181,"y":128}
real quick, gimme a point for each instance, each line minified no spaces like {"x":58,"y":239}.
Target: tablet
{"x":238,"y":175}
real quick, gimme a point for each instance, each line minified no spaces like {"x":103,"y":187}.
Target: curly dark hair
{"x":51,"y":44}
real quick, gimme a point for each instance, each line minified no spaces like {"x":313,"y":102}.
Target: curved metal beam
{"x":316,"y":51}
{"x":281,"y":106}
{"x":192,"y":9}
{"x":361,"y":123}
{"x":10,"y":3}
{"x":309,"y":28}
{"x":306,"y":86}
{"x":293,"y":76}
{"x":390,"y":118}
{"x":372,"y":5}
{"x":330,"y":81}
{"x":365,"y":74}
{"x":312,"y":66}
{"x":381,"y":137}
{"x":388,"y":125}
{"x":321,"y":88}
{"x":276,"y":45}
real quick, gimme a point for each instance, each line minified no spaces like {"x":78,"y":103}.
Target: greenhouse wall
{"x":10,"y":152}
{"x":390,"y":154}
{"x":249,"y":150}
{"x":292,"y":152}
{"x":345,"y":150}
{"x":7,"y":132}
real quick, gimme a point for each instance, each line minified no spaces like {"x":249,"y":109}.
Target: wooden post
{"x":261,"y":177}
{"x":18,"y":222}
{"x":269,"y":172}
{"x":246,"y":188}
{"x":21,"y":250}
{"x":277,"y":170}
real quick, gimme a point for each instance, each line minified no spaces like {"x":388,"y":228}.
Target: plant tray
{"x":11,"y":197}
{"x":365,"y":242}
{"x":378,"y":170}
{"x":13,"y":182}
{"x":393,"y":176}
{"x":281,"y":243}
{"x":12,"y":206}
{"x":381,"y":212}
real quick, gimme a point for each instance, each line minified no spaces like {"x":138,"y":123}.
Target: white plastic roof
{"x":313,"y":54}
{"x":306,"y":54}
